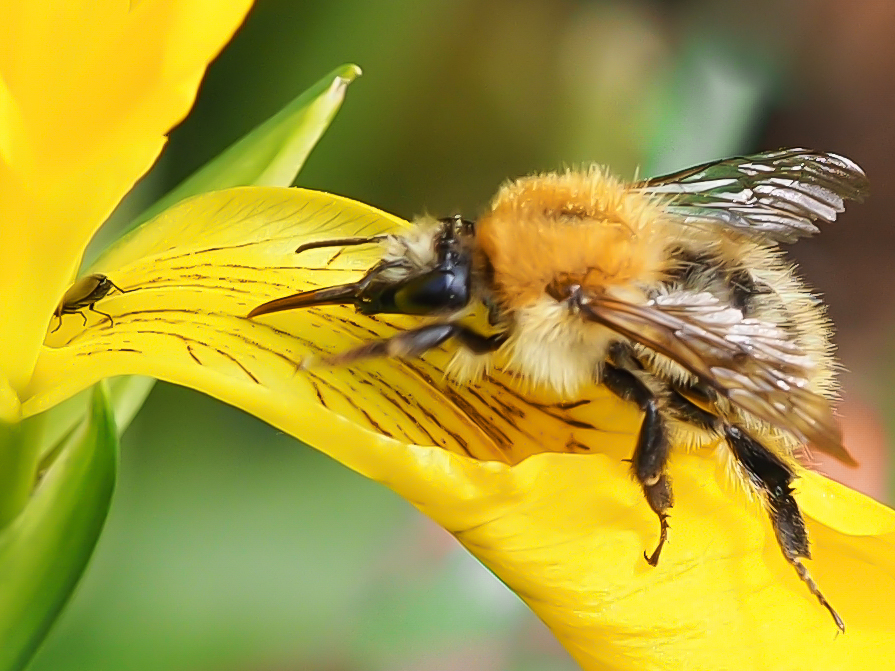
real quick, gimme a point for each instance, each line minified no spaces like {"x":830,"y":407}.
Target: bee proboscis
{"x":672,"y":292}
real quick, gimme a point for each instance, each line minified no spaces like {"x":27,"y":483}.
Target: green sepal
{"x":44,"y":551}
{"x":19,"y":455}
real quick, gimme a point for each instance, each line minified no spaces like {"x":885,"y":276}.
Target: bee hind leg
{"x":651,"y":454}
{"x":773,"y":480}
{"x":415,"y":342}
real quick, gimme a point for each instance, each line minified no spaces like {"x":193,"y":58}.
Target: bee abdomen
{"x":727,"y":279}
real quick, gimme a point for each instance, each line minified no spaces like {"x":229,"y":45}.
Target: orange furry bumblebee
{"x":672,"y":292}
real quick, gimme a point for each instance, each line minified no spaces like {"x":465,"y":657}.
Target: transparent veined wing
{"x":754,"y":364}
{"x":777,"y":195}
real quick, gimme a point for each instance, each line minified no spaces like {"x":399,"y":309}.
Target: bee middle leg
{"x":417,"y":341}
{"x":651,"y":454}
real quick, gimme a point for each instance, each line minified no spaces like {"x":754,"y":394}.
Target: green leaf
{"x":44,"y":551}
{"x":274,"y":152}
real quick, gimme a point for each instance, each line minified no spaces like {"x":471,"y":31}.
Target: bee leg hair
{"x":651,"y":454}
{"x":417,"y":341}
{"x":772,"y":478}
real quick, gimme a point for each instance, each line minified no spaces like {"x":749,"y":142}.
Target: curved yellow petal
{"x":88,"y":91}
{"x":534,"y":487}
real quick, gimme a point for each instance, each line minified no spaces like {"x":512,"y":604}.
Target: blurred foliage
{"x":232,"y":547}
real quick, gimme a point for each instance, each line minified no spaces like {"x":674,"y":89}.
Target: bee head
{"x":400,"y":284}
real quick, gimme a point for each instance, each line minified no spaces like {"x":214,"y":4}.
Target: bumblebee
{"x":671,"y":292}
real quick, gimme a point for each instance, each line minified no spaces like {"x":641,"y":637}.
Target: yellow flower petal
{"x":87,"y":92}
{"x":566,"y":531}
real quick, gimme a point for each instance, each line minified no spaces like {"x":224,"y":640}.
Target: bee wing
{"x":777,"y":195}
{"x":752,"y":363}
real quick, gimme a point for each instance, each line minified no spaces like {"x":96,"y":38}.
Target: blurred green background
{"x":231,"y":547}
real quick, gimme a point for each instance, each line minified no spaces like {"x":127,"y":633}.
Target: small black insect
{"x":84,"y":294}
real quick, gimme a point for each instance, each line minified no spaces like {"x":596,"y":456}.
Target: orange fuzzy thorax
{"x":584,"y":228}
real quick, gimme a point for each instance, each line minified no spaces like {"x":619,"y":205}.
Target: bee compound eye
{"x":433,"y":292}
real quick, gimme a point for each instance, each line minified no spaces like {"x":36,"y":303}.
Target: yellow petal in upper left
{"x":88,"y":91}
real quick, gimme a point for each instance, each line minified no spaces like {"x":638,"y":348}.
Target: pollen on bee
{"x":577,"y":227}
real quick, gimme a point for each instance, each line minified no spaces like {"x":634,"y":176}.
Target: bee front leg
{"x":651,"y":454}
{"x":415,"y":342}
{"x":772,"y":478}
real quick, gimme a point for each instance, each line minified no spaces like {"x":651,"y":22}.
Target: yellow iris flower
{"x":536,"y":489}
